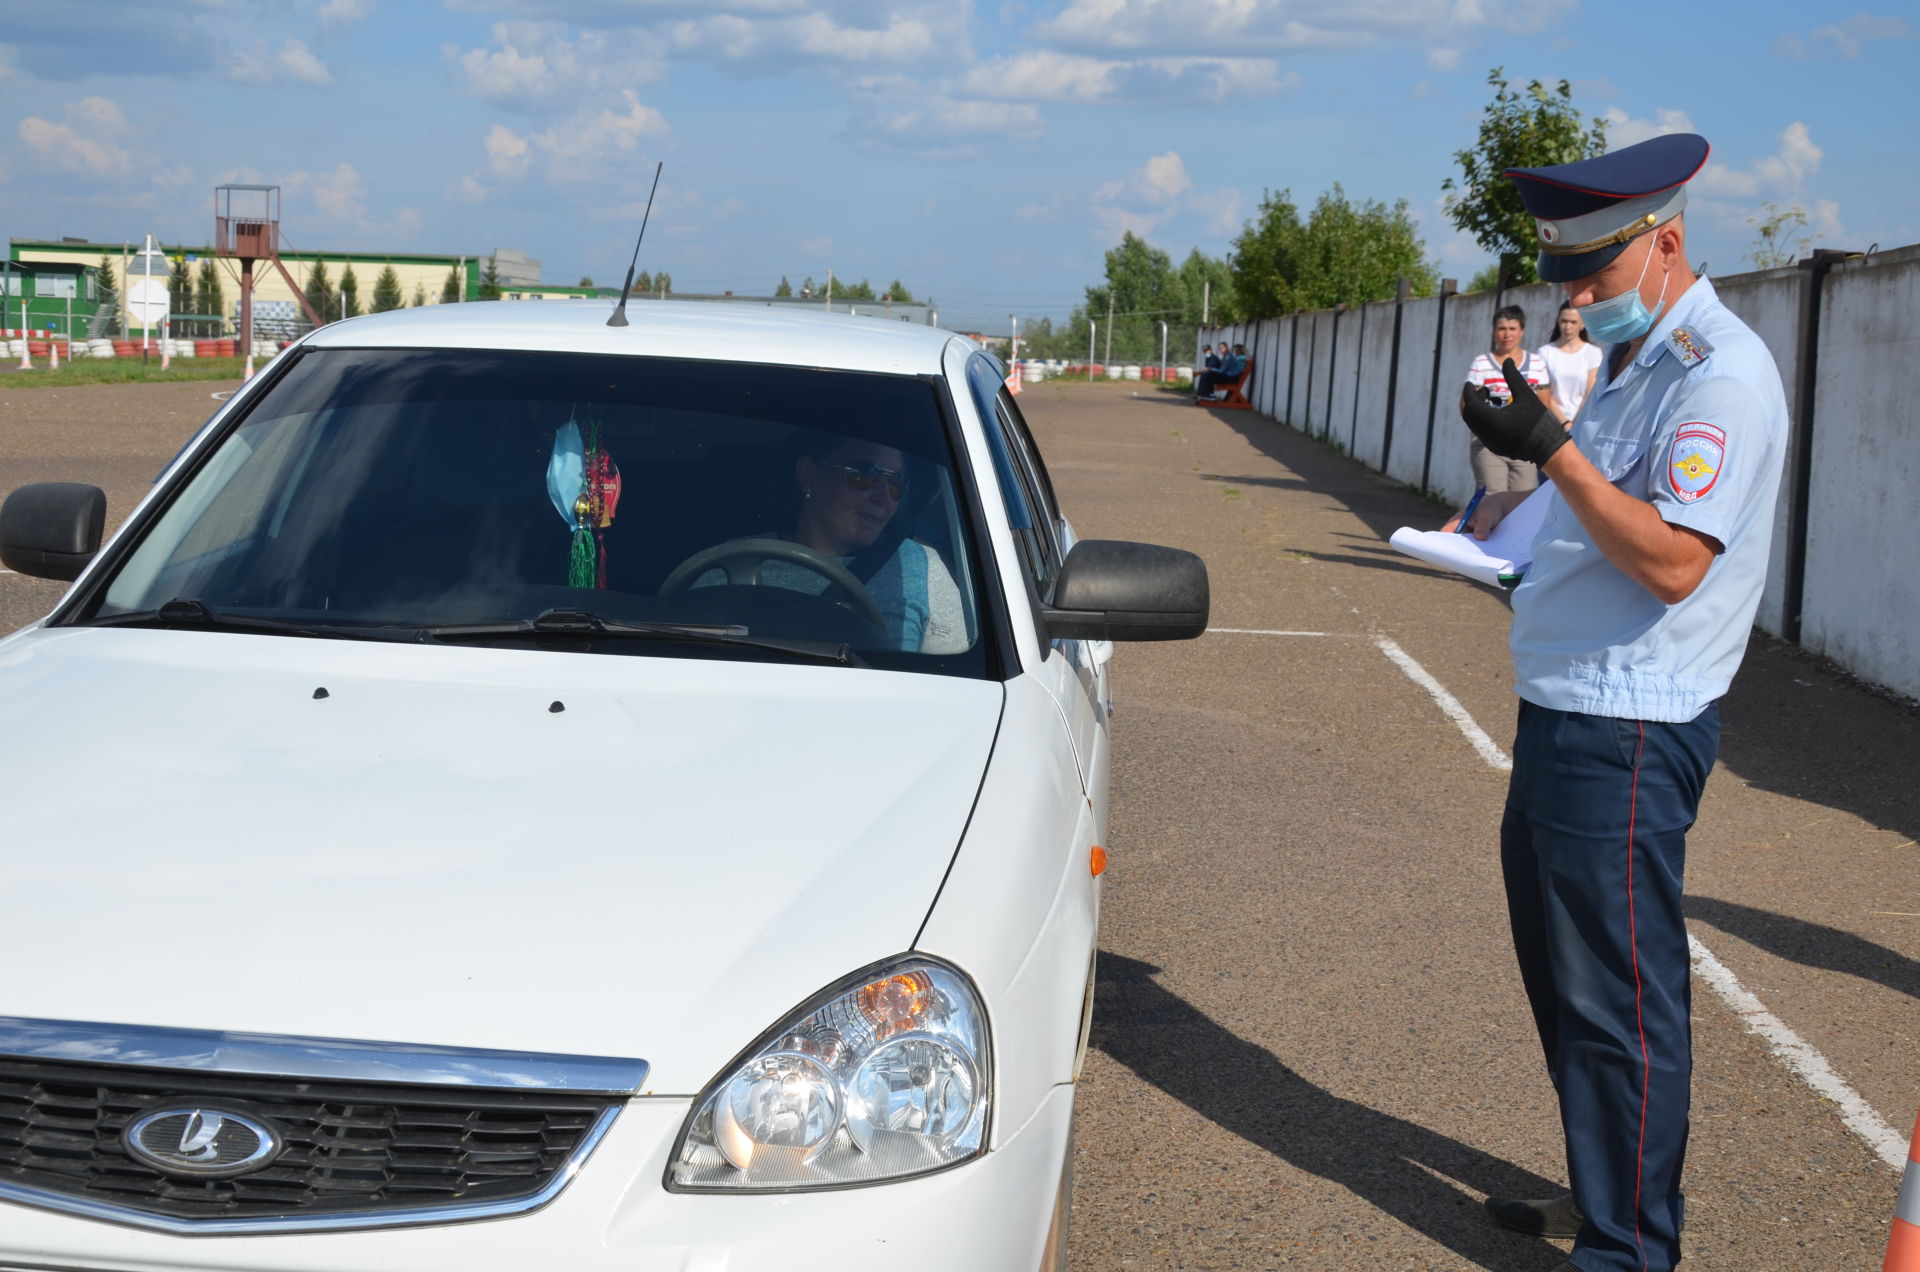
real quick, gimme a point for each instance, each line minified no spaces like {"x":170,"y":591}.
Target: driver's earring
{"x":809,"y":493}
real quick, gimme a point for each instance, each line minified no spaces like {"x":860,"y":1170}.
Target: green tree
{"x":489,"y":281}
{"x":785,"y":288}
{"x":320,"y":291}
{"x":210,"y":297}
{"x":349,"y":294}
{"x":898,"y":293}
{"x":105,"y":293}
{"x":643,"y":285}
{"x":586,"y":280}
{"x":1351,"y":253}
{"x":1780,"y":237}
{"x":1266,"y":260}
{"x":386,"y":291}
{"x":1529,"y":127}
{"x":1144,"y":290}
{"x":862,"y":290}
{"x":451,"y":289}
{"x":807,"y":287}
{"x":419,"y":295}
{"x":180,"y":289}
{"x":1208,"y":285}
{"x":663,"y":283}
{"x":1487,"y":279}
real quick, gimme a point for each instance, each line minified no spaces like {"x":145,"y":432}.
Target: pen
{"x":1466,"y":514}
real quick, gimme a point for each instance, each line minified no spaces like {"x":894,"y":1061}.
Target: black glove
{"x":1523,"y":430}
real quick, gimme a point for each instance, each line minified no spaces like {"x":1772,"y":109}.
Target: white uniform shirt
{"x":1696,"y":425}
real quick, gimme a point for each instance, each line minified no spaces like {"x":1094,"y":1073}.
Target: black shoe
{"x":1557,"y":1217}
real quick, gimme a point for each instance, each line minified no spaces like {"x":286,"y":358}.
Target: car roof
{"x":712,"y":330}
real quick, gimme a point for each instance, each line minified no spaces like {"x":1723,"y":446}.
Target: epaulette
{"x":1689,"y":346}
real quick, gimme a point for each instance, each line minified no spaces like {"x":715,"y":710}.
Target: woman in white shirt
{"x":1509,"y":344}
{"x":1573,"y":363}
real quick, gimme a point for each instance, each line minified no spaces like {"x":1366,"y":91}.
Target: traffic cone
{"x":1903,"y":1245}
{"x":26,"y":353}
{"x":53,"y":353}
{"x":1013,"y":379}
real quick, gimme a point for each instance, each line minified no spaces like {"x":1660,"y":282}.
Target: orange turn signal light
{"x":1098,"y":860}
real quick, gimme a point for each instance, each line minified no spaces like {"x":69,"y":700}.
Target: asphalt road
{"x":1311,"y":1049}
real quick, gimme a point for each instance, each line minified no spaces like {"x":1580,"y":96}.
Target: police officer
{"x":1626,"y":631}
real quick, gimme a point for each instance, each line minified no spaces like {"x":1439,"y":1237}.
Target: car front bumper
{"x":993,"y":1212}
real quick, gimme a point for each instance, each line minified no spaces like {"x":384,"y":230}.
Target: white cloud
{"x":343,"y":13}
{"x":540,"y":65}
{"x":575,"y":149}
{"x":1155,"y":193}
{"x":901,"y":40}
{"x":942,"y":127}
{"x":1785,"y":171}
{"x":817,"y":247}
{"x":1825,"y":221}
{"x":91,"y":141}
{"x":1254,"y":27}
{"x":341,"y":197}
{"x":1444,"y":58}
{"x":1844,"y":38}
{"x":1623,"y":130}
{"x":1043,"y":75}
{"x":294,"y":62}
{"x":507,"y":153}
{"x":1051,"y":208}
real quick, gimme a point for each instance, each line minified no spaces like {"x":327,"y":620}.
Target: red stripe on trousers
{"x":1633,"y":939}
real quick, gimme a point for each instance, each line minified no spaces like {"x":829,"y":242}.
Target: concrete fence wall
{"x":1382,"y":382}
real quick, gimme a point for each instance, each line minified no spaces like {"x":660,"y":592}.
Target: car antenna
{"x":619,"y":318}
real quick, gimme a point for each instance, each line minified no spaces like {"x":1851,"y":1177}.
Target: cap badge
{"x":1549,"y":232}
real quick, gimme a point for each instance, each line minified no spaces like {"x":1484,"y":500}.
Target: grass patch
{"x":124,"y":371}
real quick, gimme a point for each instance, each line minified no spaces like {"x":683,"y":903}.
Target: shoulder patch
{"x":1689,"y":346}
{"x":1693,"y":465}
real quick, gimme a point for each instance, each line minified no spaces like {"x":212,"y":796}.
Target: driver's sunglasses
{"x":863,"y":476}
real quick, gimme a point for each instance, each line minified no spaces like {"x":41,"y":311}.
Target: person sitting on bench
{"x":1230,"y":370}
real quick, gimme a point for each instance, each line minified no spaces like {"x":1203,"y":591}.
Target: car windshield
{"x":484,"y":496}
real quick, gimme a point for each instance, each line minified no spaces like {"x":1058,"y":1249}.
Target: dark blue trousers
{"x":1593,"y":847}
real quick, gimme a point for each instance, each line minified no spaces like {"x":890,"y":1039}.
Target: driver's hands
{"x":1524,"y":429}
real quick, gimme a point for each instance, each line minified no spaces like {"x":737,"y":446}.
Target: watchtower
{"x":248,"y":228}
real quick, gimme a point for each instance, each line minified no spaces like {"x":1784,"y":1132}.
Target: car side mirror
{"x":1109,"y":589}
{"x":52,"y":529}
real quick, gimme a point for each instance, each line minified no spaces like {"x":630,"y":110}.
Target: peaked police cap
{"x":1586,"y":213}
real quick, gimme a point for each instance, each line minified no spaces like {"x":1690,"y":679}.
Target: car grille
{"x":350,"y":1149}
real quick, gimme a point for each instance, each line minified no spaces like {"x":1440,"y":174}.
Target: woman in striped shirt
{"x":1509,"y":344}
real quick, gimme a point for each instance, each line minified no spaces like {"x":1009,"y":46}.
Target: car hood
{"x":589,"y":854}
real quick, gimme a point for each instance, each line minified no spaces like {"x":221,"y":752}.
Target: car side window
{"x":1027,"y":514}
{"x":1029,"y":457}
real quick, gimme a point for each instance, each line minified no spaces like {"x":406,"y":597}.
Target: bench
{"x":1233,"y":394}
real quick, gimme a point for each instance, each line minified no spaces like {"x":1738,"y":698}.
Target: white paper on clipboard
{"x":1500,"y":560}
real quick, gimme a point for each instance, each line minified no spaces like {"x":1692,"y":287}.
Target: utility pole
{"x":1109,"y":322}
{"x":829,"y":304}
{"x":1092,"y":331}
{"x":1206,"y":300}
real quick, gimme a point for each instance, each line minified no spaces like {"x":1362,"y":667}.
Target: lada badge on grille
{"x":202,"y":1143}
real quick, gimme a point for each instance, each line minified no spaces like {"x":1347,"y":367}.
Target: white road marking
{"x":1448,"y":704}
{"x":1799,"y":1056}
{"x":1259,"y":631}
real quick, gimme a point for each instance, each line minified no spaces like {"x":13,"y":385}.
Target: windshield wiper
{"x":192,"y":612}
{"x":576,"y":625}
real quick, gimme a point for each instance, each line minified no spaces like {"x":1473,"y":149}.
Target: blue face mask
{"x":1621,"y":318}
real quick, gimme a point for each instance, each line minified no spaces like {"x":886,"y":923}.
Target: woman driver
{"x":849,"y":492}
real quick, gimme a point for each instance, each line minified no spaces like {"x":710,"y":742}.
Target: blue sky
{"x":985,"y":153}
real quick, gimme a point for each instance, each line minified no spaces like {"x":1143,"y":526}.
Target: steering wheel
{"x":742,"y":559}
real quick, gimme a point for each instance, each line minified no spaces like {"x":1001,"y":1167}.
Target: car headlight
{"x":882,"y":1076}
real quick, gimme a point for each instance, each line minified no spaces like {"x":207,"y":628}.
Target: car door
{"x":1073,"y":671}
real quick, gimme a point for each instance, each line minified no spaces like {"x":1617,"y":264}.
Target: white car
{"x":527,"y":793}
